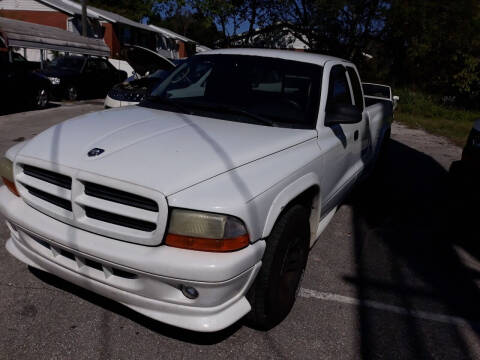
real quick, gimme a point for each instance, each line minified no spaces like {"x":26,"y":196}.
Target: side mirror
{"x":342,"y":114}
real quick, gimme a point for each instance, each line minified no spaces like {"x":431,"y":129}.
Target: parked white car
{"x":198,"y":207}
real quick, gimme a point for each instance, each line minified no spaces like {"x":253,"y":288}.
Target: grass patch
{"x":418,"y":110}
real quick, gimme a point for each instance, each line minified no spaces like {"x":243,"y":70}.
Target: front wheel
{"x":273,"y":294}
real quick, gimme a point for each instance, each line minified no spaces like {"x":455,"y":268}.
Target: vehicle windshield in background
{"x":376,"y":90}
{"x":159,"y":74}
{"x":68,"y":63}
{"x":243,"y":88}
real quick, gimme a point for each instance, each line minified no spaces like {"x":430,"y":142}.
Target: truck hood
{"x":160,"y":150}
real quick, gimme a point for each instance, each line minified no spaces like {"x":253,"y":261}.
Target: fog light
{"x":189,"y":291}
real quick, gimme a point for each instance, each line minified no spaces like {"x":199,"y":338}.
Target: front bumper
{"x":146,"y":279}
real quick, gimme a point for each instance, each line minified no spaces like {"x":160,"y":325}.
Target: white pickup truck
{"x":200,"y":205}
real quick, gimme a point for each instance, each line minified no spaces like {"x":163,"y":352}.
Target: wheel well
{"x":310,"y":200}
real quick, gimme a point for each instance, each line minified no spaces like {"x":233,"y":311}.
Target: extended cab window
{"x":243,"y":88}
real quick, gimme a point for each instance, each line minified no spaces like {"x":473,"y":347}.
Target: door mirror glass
{"x":342,"y":114}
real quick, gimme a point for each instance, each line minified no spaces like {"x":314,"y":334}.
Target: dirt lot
{"x":387,"y":279}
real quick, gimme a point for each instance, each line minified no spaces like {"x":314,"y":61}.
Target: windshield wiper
{"x":166,"y":101}
{"x":230,"y":109}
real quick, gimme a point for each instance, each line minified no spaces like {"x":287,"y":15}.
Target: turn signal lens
{"x":212,"y":245}
{"x":11,"y":186}
{"x":6,"y":173}
{"x":203,"y":231}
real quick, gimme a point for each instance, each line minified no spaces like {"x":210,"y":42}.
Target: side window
{"x":91,"y":67}
{"x":103,"y":66}
{"x":338,"y":91}
{"x":356,"y":87}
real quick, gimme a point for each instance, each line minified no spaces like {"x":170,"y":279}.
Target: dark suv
{"x":19,"y":86}
{"x":73,"y":77}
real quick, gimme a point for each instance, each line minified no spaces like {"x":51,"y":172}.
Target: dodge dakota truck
{"x":200,"y":205}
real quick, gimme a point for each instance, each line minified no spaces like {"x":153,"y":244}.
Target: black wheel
{"x":41,"y":98}
{"x":72,"y":92}
{"x":273,"y":294}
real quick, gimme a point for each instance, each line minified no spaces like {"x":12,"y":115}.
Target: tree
{"x":195,"y":26}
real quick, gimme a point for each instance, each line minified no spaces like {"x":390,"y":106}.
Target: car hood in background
{"x":157,"y":149}
{"x":143,"y":60}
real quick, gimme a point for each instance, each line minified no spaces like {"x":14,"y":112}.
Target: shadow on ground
{"x":405,"y":239}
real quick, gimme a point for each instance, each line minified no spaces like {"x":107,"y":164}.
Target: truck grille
{"x":80,"y":200}
{"x":48,"y":176}
{"x":64,"y":204}
{"x":121,"y":197}
{"x":119,"y":219}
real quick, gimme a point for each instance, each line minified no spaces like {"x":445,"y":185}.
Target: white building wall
{"x":31,"y":5}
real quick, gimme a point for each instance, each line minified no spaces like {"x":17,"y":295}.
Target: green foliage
{"x":194,"y":26}
{"x":429,"y":112}
{"x":432,"y":45}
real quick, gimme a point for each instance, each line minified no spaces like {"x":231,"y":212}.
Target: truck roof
{"x":317,"y":59}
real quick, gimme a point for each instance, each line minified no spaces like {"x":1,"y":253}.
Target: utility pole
{"x":84,"y":18}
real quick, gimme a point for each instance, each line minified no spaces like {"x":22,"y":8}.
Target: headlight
{"x":6,"y":173}
{"x":54,"y":80}
{"x":204,"y":231}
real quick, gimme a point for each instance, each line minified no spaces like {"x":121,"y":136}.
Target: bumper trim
{"x":202,"y":319}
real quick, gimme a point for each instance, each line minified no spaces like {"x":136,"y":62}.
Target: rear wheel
{"x":273,"y":294}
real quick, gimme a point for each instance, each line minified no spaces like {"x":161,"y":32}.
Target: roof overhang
{"x":171,"y":34}
{"x":34,"y":36}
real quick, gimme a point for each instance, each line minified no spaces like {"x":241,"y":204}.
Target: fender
{"x":289,"y":193}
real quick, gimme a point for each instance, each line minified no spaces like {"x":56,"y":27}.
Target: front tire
{"x":273,"y":294}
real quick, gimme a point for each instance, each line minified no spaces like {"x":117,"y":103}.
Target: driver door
{"x":340,"y":143}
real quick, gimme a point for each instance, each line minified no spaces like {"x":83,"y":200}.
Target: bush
{"x":434,"y":114}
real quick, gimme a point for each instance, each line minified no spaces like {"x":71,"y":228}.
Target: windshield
{"x":243,"y":88}
{"x":69,"y":63}
{"x":159,"y":74}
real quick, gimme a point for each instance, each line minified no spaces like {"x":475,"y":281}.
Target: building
{"x":117,"y":31}
{"x":184,"y":47}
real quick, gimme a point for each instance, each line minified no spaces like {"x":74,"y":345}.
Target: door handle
{"x":355,"y":135}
